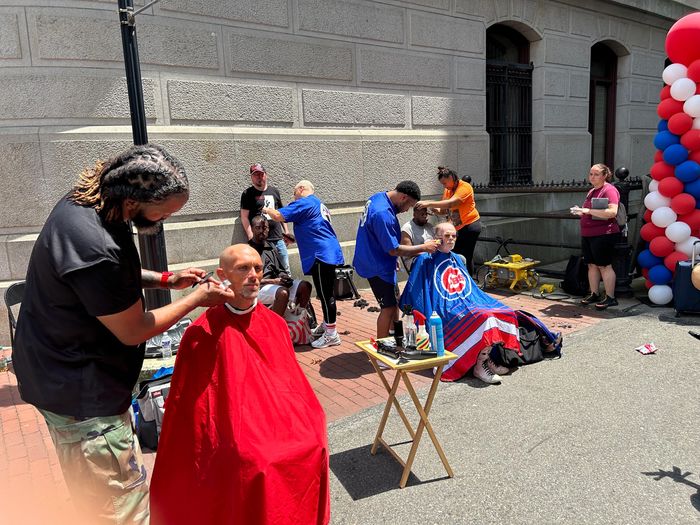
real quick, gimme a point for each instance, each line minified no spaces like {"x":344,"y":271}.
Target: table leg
{"x":424,"y":423}
{"x":385,"y":416}
{"x":402,"y":414}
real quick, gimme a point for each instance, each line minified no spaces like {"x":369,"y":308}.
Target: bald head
{"x":303,"y":188}
{"x":242,"y":266}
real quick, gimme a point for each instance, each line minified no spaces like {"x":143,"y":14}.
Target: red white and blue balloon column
{"x":673,"y":201}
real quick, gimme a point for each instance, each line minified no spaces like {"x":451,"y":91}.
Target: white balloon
{"x":692,"y":106}
{"x":682,"y":89}
{"x":654,"y":200}
{"x":696,"y":123}
{"x":686,"y":246}
{"x":663,"y":216}
{"x":673,"y":72}
{"x":677,"y":231}
{"x":654,"y":185}
{"x":660,"y":294}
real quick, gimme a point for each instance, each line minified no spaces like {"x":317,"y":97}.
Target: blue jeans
{"x":282,"y":249}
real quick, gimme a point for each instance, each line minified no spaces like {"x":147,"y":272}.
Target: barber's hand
{"x":420,"y":205}
{"x":431,"y":246}
{"x":185,"y":278}
{"x":210,"y":293}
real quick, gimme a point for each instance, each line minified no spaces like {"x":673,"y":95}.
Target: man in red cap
{"x":263,"y":195}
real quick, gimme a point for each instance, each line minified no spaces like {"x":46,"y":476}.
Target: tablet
{"x":599,"y":203}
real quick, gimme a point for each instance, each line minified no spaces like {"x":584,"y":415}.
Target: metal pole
{"x":152,"y":247}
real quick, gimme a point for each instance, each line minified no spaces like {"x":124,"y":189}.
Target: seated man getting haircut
{"x":277,"y":287}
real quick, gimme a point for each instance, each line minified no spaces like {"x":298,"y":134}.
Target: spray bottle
{"x":422,"y":338}
{"x":409,"y":327}
{"x":437,"y":338}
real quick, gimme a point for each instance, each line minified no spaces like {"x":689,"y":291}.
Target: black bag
{"x":344,"y":287}
{"x":536,"y":343}
{"x":575,"y":277}
{"x":686,"y":298}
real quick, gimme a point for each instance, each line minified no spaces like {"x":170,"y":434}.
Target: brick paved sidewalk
{"x":341,"y":376}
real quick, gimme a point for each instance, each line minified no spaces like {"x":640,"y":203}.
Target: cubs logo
{"x":450,"y":281}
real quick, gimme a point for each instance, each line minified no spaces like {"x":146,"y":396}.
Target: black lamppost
{"x":623,"y":251}
{"x":151,"y":247}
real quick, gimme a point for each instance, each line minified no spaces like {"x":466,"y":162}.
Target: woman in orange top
{"x":458,"y":204}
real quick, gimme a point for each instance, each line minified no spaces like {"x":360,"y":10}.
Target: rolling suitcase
{"x":686,"y":298}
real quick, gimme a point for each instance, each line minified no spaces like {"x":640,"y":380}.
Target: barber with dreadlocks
{"x":82,"y":324}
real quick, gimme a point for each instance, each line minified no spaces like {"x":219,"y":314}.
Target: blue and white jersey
{"x":378,"y":233}
{"x":314,"y":233}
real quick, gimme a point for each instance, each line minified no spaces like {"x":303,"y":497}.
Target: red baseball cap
{"x":257,"y":167}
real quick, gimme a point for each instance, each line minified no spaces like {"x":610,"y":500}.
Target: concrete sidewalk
{"x":600,"y":436}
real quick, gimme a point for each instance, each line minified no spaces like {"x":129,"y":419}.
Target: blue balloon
{"x":687,"y":171}
{"x":663,"y":125}
{"x":664,"y":139}
{"x":675,"y":154}
{"x":693,"y":188}
{"x":659,"y":274}
{"x":648,"y":260}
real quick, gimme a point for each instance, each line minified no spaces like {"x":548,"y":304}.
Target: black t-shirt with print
{"x":65,"y":359}
{"x":254,"y":200}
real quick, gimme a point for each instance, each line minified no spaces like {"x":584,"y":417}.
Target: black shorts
{"x":599,"y":250}
{"x":386,"y":294}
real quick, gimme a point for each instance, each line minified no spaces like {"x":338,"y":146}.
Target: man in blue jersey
{"x":379,"y":243}
{"x":319,"y":251}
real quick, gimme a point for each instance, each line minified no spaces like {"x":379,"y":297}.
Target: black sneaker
{"x":591,"y":298}
{"x":608,"y":301}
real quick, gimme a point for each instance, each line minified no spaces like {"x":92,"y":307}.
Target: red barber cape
{"x":244,"y":436}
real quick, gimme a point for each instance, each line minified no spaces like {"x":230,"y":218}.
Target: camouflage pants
{"x":103,"y":467}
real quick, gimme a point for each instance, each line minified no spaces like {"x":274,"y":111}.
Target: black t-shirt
{"x":255,"y":200}
{"x":273,"y":266}
{"x":65,"y":359}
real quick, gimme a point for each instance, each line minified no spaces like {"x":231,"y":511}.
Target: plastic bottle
{"x":422,"y":338}
{"x":409,"y":328}
{"x":166,"y":345}
{"x":437,"y":339}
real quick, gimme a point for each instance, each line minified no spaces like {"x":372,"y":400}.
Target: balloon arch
{"x":673,"y":202}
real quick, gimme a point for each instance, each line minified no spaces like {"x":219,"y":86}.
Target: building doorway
{"x":508,"y":106}
{"x":601,"y":104}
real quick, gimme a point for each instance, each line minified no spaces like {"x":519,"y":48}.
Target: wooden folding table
{"x":402,"y":371}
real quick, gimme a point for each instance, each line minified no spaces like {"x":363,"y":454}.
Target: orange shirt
{"x":465,"y":212}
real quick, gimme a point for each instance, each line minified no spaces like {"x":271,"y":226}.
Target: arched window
{"x":509,"y":105}
{"x":601,"y":108}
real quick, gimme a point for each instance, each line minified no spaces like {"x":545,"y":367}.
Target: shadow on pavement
{"x":363,"y":475}
{"x":346,"y":366}
{"x":675,"y":474}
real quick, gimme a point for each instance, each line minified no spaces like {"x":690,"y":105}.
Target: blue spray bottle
{"x":437,"y":339}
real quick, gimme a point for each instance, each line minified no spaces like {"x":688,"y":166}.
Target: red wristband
{"x":164,"y":279}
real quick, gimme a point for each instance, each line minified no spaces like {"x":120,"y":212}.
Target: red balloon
{"x":661,"y":246}
{"x":694,"y":155}
{"x":691,"y":139}
{"x":645,"y":273}
{"x":650,"y":231}
{"x":658,"y":156}
{"x":670,"y":187}
{"x":669,"y":107}
{"x":694,"y":71}
{"x":683,"y":203}
{"x":648,"y":284}
{"x":671,"y":260}
{"x":661,"y":170}
{"x":682,"y":40}
{"x":692,"y":219}
{"x":665,"y":93}
{"x":680,"y":123}
{"x":647,"y":216}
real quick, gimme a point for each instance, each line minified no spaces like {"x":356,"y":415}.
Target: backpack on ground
{"x":537,"y":342}
{"x":151,"y":401}
{"x":344,"y":287}
{"x":575,"y":277}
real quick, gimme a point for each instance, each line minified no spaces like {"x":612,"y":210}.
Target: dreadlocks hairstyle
{"x":146,"y":173}
{"x":607,"y":172}
{"x":444,"y":171}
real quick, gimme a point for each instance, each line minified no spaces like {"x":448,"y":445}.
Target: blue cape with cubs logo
{"x":472,"y":319}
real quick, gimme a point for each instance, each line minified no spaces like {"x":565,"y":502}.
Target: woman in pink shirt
{"x":599,"y":233}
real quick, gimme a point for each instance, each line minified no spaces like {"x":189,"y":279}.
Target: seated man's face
{"x":261,"y":231}
{"x":448,"y":235}
{"x":244,"y":270}
{"x":420,"y":216}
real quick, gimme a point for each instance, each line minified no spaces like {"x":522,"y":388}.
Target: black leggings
{"x":466,"y":242}
{"x":323,"y":275}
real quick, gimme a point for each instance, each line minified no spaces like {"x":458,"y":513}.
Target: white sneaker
{"x":483,"y":372}
{"x":326,"y":340}
{"x":497,"y":369}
